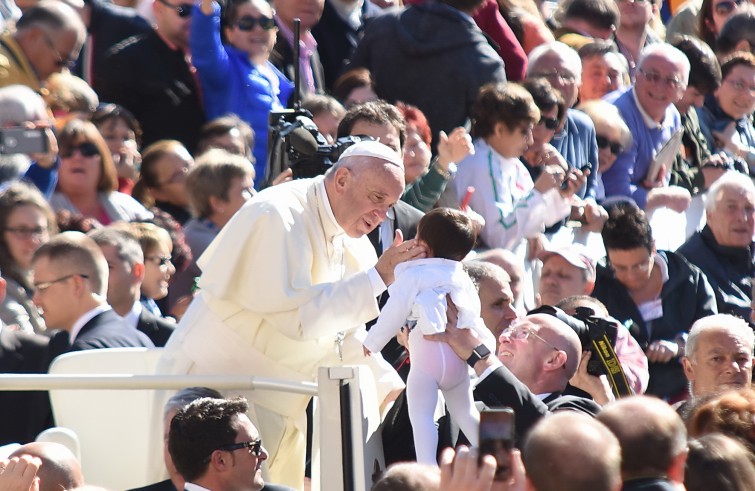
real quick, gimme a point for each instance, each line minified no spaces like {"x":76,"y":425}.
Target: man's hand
{"x":594,"y":216}
{"x":454,"y":148}
{"x":597,"y":387}
{"x":396,"y":254}
{"x":673,"y":197}
{"x":662,"y":351}
{"x":46,"y":160}
{"x":20,"y":473}
{"x":462,"y":341}
{"x":463,"y":473}
{"x":575,"y":179}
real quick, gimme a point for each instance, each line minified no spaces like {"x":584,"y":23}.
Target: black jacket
{"x":157,"y":329}
{"x":686,"y":297}
{"x":728,"y":269}
{"x":105,"y":330}
{"x":431,"y":56}
{"x":337,"y":39}
{"x":23,"y":414}
{"x":155,"y":82}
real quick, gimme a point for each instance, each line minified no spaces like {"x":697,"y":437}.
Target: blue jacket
{"x":232,"y":84}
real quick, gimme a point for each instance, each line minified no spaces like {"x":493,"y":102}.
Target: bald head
{"x":409,"y":476}
{"x":650,"y":448}
{"x":59,"y":470}
{"x":511,"y":264}
{"x":568,"y":451}
{"x":541,"y":351}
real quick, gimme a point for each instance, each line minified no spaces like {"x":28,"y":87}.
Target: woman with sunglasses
{"x":611,"y":134}
{"x":87,"y":179}
{"x":122,"y":133}
{"x":26,"y":222}
{"x":552,"y":109}
{"x":237,"y":77}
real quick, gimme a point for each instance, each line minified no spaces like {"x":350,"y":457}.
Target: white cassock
{"x":279,"y":283}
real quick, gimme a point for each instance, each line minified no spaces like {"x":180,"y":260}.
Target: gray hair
{"x":730,"y":180}
{"x":566,"y":53}
{"x":734,"y":326}
{"x":480,"y":271}
{"x":126,"y":245}
{"x":672,"y":54}
{"x":19,"y":104}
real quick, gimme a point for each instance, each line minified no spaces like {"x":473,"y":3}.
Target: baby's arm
{"x":393,"y":315}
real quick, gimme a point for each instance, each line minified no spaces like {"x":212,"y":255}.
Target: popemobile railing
{"x":346,"y":461}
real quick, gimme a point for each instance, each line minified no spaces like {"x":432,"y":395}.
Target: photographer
{"x":21,"y":107}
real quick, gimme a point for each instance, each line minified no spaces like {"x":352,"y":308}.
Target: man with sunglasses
{"x":151,"y":75}
{"x":47,"y":39}
{"x":215,"y":447}
{"x":648,"y":110}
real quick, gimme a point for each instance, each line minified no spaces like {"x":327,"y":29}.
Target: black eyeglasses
{"x":86,"y":149}
{"x":248,"y":22}
{"x":254,"y":447}
{"x":550,"y":123}
{"x":67,"y":62}
{"x":40,"y":287}
{"x":603,"y":142}
{"x":183,"y":9}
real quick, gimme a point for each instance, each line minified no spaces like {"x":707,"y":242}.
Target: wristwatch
{"x":479,"y":353}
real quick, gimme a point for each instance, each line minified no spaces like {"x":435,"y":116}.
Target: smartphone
{"x":497,"y":439}
{"x":23,"y":140}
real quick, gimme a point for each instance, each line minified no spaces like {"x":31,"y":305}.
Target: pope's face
{"x":364,"y":193}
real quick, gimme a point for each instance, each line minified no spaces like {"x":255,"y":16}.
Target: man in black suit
{"x":125,"y":261}
{"x":537,"y":356}
{"x":70,"y":279}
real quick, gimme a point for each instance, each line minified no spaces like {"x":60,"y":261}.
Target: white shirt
{"x":505,"y":197}
{"x":81,"y":321}
{"x":194,"y":487}
{"x":132,"y":318}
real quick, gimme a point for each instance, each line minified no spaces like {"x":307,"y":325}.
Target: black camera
{"x":598,"y":335}
{"x":296,"y":143}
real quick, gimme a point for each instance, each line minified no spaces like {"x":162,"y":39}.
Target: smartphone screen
{"x":497,"y":439}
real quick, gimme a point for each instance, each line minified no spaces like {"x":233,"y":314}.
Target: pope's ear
{"x":341,"y":177}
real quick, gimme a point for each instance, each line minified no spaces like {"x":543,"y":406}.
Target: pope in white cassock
{"x":291,"y":271}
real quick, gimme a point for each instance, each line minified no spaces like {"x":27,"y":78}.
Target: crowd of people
{"x":503,"y":185}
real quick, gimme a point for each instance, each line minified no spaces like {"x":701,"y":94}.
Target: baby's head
{"x":447,"y":233}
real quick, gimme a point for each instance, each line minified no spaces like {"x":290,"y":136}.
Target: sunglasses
{"x":248,"y":22}
{"x":726,"y":7}
{"x":183,"y":10}
{"x":603,"y":142}
{"x":550,"y":123}
{"x":87,"y":149}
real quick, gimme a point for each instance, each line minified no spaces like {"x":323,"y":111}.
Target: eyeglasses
{"x":86,"y":149}
{"x":61,"y":61}
{"x":28,"y":233}
{"x":554,"y":76}
{"x":159,"y":260}
{"x":603,"y":142}
{"x":520,"y":333}
{"x":740,"y":85}
{"x":655,"y":78}
{"x":248,"y":22}
{"x":183,"y":9}
{"x":726,"y":7}
{"x":41,"y":287}
{"x":254,"y":447}
{"x":550,"y":123}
